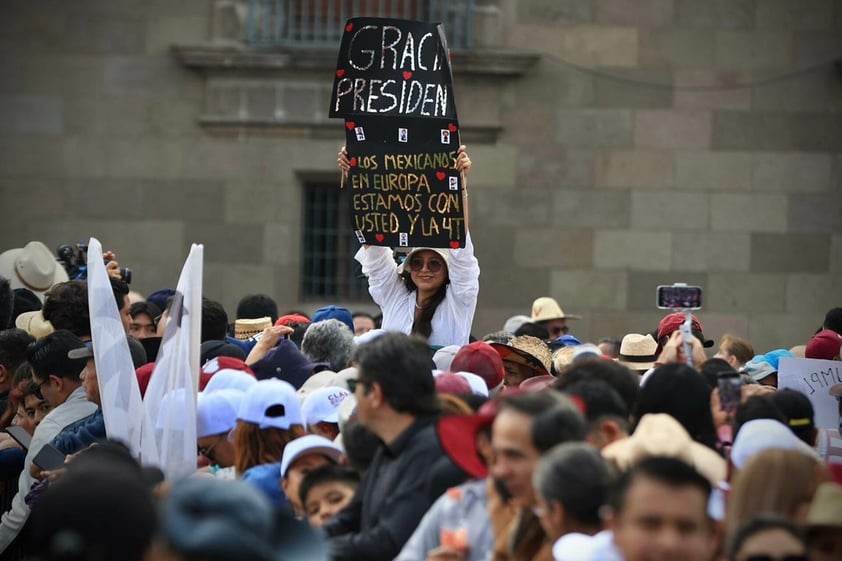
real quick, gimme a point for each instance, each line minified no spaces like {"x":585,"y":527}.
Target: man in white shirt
{"x":58,"y":381}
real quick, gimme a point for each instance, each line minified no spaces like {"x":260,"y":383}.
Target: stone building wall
{"x":652,"y":141}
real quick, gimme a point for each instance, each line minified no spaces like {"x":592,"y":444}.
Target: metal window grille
{"x":308,"y":23}
{"x":329,"y":270}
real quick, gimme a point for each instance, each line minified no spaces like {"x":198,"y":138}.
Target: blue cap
{"x":568,"y":341}
{"x":774,"y":357}
{"x":334,"y":312}
{"x":160,"y":297}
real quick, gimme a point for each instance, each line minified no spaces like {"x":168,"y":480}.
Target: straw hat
{"x":659,"y":434}
{"x":33,"y":267}
{"x":826,"y":509}
{"x":637,"y":352}
{"x":527,"y":351}
{"x":246,"y":328}
{"x":34,"y":324}
{"x":546,"y":309}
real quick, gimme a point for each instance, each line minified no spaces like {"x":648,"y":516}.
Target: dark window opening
{"x":328,"y":269}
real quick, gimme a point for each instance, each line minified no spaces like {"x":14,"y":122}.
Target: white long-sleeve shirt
{"x":75,"y":408}
{"x":453,"y":318}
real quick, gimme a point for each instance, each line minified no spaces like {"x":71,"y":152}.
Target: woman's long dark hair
{"x":423,"y":325}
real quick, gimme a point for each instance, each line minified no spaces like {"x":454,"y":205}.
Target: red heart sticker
{"x":340,"y":72}
{"x":353,"y":162}
{"x":440,"y":175}
{"x":349,"y":125}
{"x":407,"y":75}
{"x":380,"y":237}
{"x":451,"y":127}
{"x":349,"y":27}
{"x":454,"y":245}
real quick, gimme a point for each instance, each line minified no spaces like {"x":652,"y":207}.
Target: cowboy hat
{"x":32,"y":267}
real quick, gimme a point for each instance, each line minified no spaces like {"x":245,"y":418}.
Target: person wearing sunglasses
{"x":433,"y":293}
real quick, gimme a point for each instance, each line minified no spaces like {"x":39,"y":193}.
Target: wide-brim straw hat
{"x":637,"y":352}
{"x":244,"y":329}
{"x":33,"y":267}
{"x":528,"y":351}
{"x":34,"y":324}
{"x":826,"y":508}
{"x":546,"y":309}
{"x":659,"y":434}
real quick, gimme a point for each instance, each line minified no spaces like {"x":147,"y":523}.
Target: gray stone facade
{"x":651,"y":141}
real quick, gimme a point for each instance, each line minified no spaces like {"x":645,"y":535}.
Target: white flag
{"x":170,"y":400}
{"x":122,"y":407}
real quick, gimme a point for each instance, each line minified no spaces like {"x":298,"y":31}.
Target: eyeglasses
{"x":208,"y":452}
{"x":37,"y":392}
{"x":556,"y":331}
{"x":353,"y":383}
{"x":433,"y":265}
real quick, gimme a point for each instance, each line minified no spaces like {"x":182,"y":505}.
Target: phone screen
{"x":20,"y":435}
{"x":671,"y":297}
{"x":49,"y":458}
{"x":730,"y":394}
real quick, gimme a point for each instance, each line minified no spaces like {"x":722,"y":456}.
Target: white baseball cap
{"x":271,"y":403}
{"x":444,"y":356}
{"x":322,"y":405}
{"x":765,"y":434}
{"x":309,"y":444}
{"x":216,"y":412}
{"x":478,"y":385}
{"x":228,"y":378}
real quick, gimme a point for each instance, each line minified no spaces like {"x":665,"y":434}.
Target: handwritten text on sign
{"x":393,"y":87}
{"x":392,"y":67}
{"x":402,"y":193}
{"x":813,"y":378}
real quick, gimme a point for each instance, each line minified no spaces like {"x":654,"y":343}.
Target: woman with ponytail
{"x":433,"y":293}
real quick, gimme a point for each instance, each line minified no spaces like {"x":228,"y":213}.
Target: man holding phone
{"x":57,"y":377}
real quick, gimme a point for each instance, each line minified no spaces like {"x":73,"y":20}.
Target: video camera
{"x":75,"y":262}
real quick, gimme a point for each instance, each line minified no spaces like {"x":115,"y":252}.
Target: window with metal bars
{"x":328,"y":268}
{"x":291,"y":23}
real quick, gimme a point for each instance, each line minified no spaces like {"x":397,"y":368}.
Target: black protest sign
{"x":394,"y":88}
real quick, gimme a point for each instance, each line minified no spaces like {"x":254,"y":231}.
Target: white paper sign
{"x":813,"y":378}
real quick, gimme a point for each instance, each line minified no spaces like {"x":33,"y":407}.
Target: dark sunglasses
{"x":770,"y":558}
{"x":208,"y":452}
{"x":555,"y":331}
{"x":417,"y":264}
{"x":353,"y":383}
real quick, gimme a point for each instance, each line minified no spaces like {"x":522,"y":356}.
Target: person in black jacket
{"x":396,"y":400}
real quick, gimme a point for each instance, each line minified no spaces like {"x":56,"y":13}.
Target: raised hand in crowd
{"x":270,"y":338}
{"x":674,"y":350}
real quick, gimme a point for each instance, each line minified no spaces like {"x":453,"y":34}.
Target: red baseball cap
{"x":448,"y":382}
{"x":481,"y":359}
{"x":824,"y":345}
{"x":672,"y":322}
{"x":292,"y":318}
{"x":458,"y":437}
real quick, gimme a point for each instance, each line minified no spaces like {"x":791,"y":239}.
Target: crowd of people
{"x":401,"y":436}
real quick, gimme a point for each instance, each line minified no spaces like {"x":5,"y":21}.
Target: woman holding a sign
{"x":433,"y":293}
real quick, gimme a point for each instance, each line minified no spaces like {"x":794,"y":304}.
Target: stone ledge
{"x":220,"y":58}
{"x":259,"y":92}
